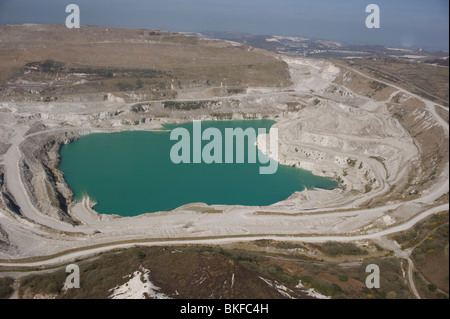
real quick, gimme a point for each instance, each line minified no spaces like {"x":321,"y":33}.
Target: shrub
{"x":122,"y":86}
{"x":325,"y":287}
{"x":306,"y":279}
{"x":335,"y":249}
{"x":141,"y":255}
{"x":6,"y":287}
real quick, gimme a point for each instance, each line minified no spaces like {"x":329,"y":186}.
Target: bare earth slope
{"x":53,"y":62}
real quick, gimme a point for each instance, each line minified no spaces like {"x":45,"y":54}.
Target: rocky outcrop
{"x":41,"y":176}
{"x":4,"y":240}
{"x":7,"y":201}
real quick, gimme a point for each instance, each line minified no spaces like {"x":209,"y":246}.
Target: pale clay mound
{"x":326,"y":132}
{"x":138,"y":287}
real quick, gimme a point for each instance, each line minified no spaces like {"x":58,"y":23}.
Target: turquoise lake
{"x":131,"y":173}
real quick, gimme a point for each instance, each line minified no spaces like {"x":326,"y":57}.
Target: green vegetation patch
{"x":193,"y":271}
{"x":333,"y":249}
{"x":377,"y":86}
{"x":431,"y":257}
{"x":188,"y":105}
{"x":46,"y":285}
{"x":6,"y":287}
{"x":422,"y":230}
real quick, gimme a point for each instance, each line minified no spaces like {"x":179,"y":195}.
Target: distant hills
{"x":304,"y":46}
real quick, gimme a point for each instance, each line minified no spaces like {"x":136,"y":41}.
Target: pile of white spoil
{"x":138,"y":287}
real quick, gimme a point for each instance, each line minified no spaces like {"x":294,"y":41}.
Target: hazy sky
{"x":407,"y":23}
